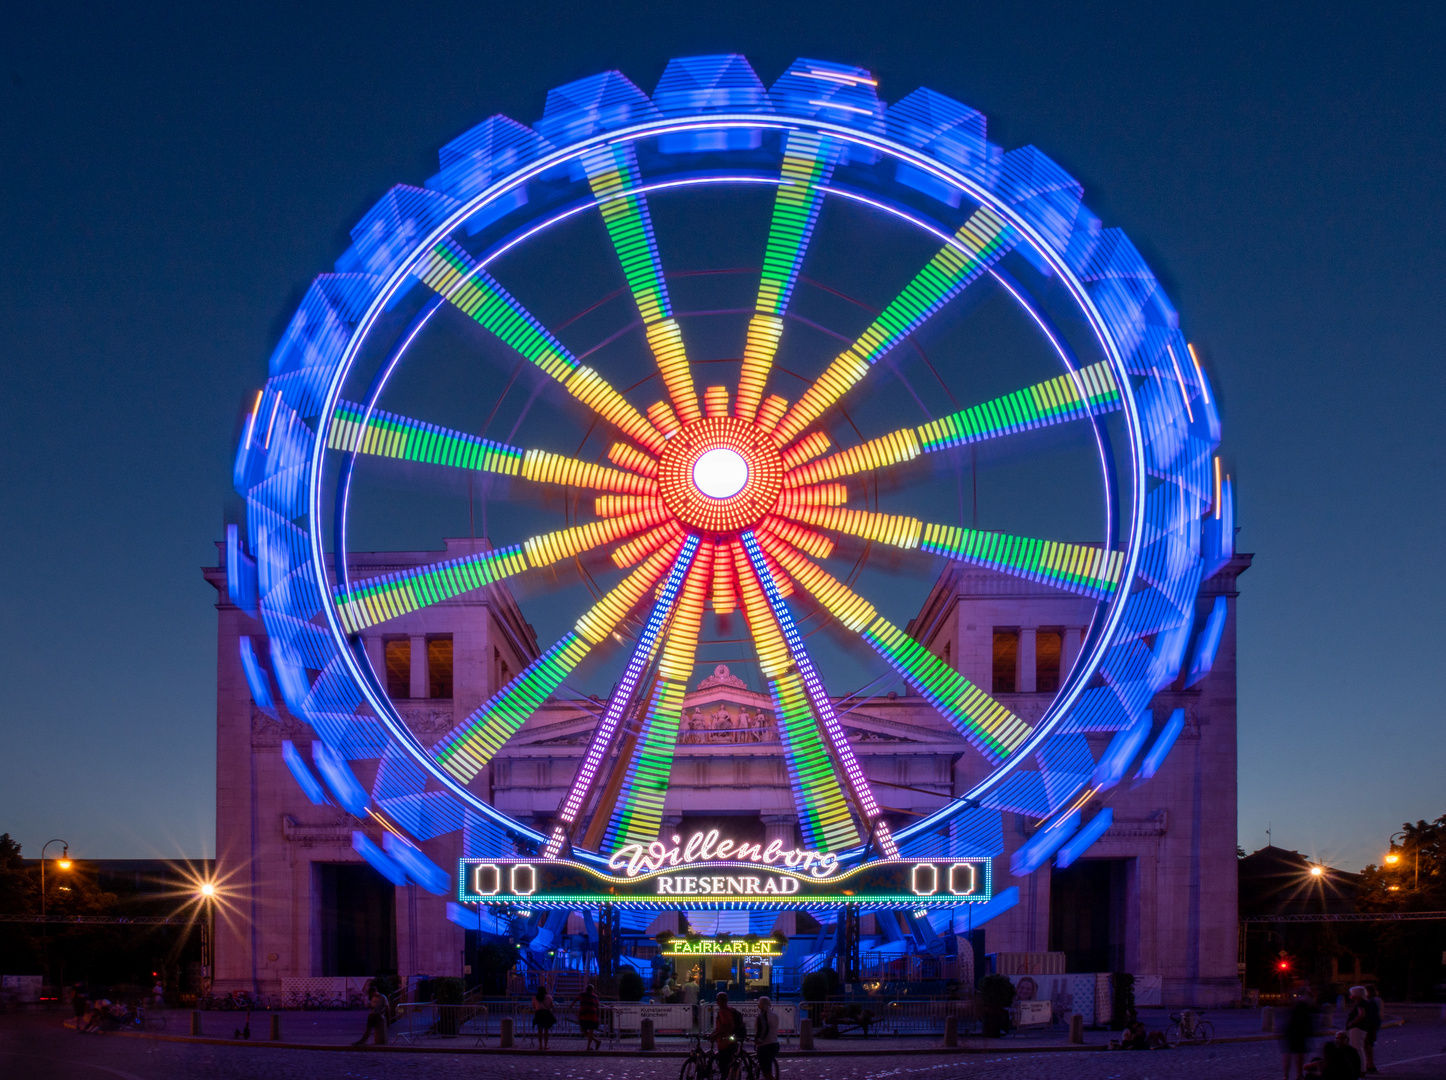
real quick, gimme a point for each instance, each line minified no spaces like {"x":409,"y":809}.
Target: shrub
{"x":630,"y":985}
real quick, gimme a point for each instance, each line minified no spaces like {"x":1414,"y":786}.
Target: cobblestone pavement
{"x":37,"y":1048}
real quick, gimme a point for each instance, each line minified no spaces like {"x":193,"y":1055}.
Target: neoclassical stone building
{"x":1155,"y":896}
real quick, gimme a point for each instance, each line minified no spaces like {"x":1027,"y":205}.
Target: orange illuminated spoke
{"x":900,"y":531}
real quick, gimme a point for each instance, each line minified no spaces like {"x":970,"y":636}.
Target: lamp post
{"x":207,"y":893}
{"x":1393,"y":857}
{"x":62,"y":863}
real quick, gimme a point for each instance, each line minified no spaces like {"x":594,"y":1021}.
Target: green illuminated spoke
{"x":473,"y":742}
{"x":1078,"y":568}
{"x":980,"y":242}
{"x":452,"y":273}
{"x":612,"y":172}
{"x":808,"y":160}
{"x":1092,"y":391}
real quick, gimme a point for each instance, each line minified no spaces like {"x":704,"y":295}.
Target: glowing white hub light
{"x":721,"y":473}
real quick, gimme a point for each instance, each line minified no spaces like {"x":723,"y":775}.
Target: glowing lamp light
{"x":1392,"y":859}
{"x":720,"y":473}
{"x":208,"y":889}
{"x":64,"y":864}
{"x":1316,"y":871}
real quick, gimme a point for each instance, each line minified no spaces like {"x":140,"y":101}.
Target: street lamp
{"x":64,"y":863}
{"x":1393,"y":856}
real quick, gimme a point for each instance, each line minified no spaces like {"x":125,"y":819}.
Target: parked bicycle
{"x":1189,"y":1027}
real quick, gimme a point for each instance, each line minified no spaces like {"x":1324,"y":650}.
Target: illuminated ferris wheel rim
{"x":1101,"y":633}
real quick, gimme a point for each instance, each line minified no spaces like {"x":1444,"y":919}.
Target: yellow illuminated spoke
{"x":900,"y":531}
{"x":375,"y":600}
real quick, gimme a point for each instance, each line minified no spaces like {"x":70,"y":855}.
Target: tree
{"x":1410,"y":953}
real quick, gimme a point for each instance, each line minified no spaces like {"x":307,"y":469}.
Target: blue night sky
{"x":171,"y":178}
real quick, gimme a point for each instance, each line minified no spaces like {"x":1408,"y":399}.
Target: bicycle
{"x":1189,"y":1027}
{"x":701,"y":1062}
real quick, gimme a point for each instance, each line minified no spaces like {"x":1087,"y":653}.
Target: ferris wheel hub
{"x":720,"y":474}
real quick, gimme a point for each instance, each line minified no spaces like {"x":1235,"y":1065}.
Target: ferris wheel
{"x":764,"y":431}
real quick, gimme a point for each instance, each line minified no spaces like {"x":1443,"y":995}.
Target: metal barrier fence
{"x":481,"y":1022}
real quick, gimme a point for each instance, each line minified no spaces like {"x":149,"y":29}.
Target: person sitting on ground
{"x":1338,"y":1060}
{"x":588,"y":1010}
{"x":80,"y":1005}
{"x":1135,"y":1037}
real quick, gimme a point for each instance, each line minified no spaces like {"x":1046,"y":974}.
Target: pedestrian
{"x":1375,"y":1013}
{"x":376,"y":1015}
{"x":158,"y":996}
{"x":690,"y":999}
{"x":1295,"y":1039}
{"x":765,"y":1037}
{"x":588,"y":1008}
{"x":79,"y":1003}
{"x":1356,"y":1022}
{"x":542,"y":1015}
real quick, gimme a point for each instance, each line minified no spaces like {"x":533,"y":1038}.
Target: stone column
{"x":1069,"y":650}
{"x":780,"y":827}
{"x":377,"y":656}
{"x":1024,"y":679}
{"x":419,"y":666}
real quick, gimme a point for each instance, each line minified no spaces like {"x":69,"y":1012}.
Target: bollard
{"x":504,"y":1038}
{"x":951,"y":1031}
{"x":649,"y":1043}
{"x":1267,"y":1019}
{"x":805,"y":1034}
{"x":275,"y":1027}
{"x":195,"y":1022}
{"x":1076,"y":1029}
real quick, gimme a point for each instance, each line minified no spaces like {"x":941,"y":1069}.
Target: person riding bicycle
{"x":728,"y":1032}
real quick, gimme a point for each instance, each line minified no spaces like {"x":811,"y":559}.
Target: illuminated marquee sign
{"x":709,"y":947}
{"x":553,"y":884}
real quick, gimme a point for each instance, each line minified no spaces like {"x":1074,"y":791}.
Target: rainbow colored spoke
{"x":1086,"y":569}
{"x":984,"y":722}
{"x":1092,"y":391}
{"x":818,"y":798}
{"x":808,"y":160}
{"x":453,"y":274}
{"x":612,"y":172}
{"x":384,"y":434}
{"x":375,"y":600}
{"x":637,"y":815}
{"x":473,"y":743}
{"x":980,"y":242}
{"x":822,"y":704}
{"x":622,"y":697}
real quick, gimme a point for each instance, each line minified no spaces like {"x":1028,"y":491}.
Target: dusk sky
{"x":172,"y":177}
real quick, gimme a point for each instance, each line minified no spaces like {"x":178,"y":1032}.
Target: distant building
{"x":1156,"y":896}
{"x":1278,"y":955}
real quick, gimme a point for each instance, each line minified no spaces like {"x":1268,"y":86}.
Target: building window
{"x":1006,"y":659}
{"x":398,"y":655}
{"x":1048,"y":645}
{"x":439,"y":666}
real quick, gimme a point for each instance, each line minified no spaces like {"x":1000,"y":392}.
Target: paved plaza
{"x":36,"y":1046}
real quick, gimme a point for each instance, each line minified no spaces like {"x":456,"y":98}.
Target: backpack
{"x":740,"y":1031}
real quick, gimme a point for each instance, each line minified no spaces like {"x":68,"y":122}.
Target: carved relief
{"x":269,"y":731}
